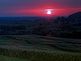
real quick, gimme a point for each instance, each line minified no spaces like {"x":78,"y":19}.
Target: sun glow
{"x":49,"y":11}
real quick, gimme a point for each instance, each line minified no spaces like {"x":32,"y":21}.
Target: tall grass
{"x":41,"y":56}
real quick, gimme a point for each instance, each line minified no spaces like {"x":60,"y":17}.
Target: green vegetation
{"x":42,"y":56}
{"x":5,"y":58}
{"x":62,"y":53}
{"x":73,"y":45}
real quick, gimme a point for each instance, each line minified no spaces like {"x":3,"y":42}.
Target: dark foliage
{"x":69,"y":27}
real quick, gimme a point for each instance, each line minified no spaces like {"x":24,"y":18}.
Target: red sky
{"x":37,"y":7}
{"x":40,"y":11}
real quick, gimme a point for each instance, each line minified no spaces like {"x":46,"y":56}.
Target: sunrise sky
{"x":38,"y":7}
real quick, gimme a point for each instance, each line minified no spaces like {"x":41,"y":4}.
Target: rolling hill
{"x":42,"y":48}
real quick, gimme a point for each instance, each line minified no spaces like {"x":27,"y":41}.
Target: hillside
{"x":41,"y":42}
{"x":65,"y":27}
{"x":42,"y":48}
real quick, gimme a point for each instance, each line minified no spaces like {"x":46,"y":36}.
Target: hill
{"x":42,"y":48}
{"x":65,"y":27}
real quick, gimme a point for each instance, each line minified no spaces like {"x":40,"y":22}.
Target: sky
{"x":36,"y":7}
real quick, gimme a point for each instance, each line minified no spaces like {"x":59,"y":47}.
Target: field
{"x":5,"y":58}
{"x":39,"y":48}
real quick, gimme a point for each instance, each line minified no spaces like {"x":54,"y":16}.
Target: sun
{"x":49,"y":11}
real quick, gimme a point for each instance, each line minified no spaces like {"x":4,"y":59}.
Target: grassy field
{"x":65,"y":44}
{"x":6,"y":58}
{"x":39,"y":56}
{"x":39,"y":48}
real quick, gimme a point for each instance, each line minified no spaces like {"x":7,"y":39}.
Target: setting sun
{"x":49,"y":11}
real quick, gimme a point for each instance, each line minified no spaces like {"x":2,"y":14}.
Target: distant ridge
{"x":75,"y":18}
{"x":76,"y":15}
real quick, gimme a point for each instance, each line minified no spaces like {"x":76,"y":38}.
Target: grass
{"x":57,"y":55}
{"x":40,"y":56}
{"x":6,"y":58}
{"x":58,"y":43}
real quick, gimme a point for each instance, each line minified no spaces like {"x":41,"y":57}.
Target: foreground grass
{"x":33,"y":55}
{"x":40,"y":56}
{"x":6,"y":58}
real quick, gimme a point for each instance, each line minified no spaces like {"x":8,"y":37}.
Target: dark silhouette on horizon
{"x":66,"y":27}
